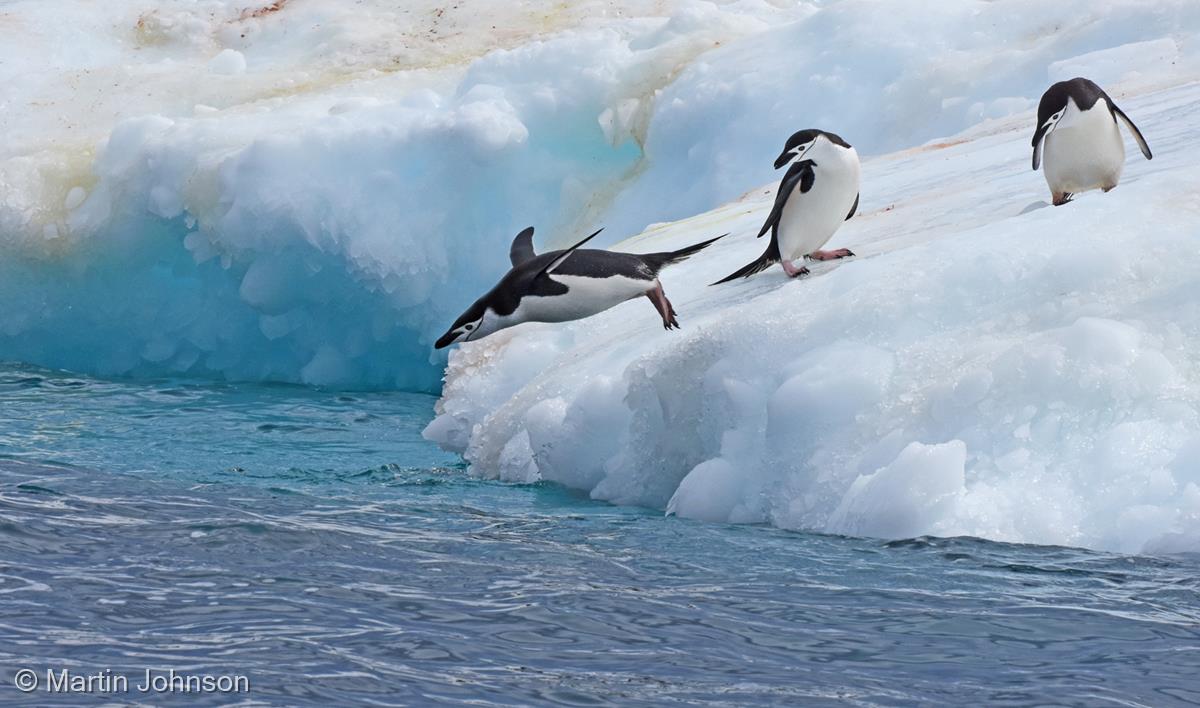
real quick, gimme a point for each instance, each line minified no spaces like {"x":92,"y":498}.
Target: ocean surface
{"x":313,"y":543}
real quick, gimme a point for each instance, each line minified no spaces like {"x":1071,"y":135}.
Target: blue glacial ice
{"x":312,"y":194}
{"x":322,"y":219}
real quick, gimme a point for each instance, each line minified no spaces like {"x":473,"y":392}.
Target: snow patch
{"x":229,"y":63}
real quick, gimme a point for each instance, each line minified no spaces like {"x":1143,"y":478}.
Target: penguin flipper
{"x":800,"y":173}
{"x":1039,"y":137}
{"x":522,"y":247}
{"x":853,"y":207}
{"x":758,"y":265}
{"x":558,"y":260}
{"x":1133,"y":129}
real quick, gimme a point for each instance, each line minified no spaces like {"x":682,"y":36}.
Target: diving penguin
{"x":1077,"y":125}
{"x":560,"y":286}
{"x":818,"y":192}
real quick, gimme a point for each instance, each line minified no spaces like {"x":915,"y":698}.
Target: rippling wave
{"x":287,"y":535}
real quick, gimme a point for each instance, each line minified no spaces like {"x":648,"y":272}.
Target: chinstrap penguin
{"x":818,"y":192}
{"x":1078,"y":132}
{"x":565,"y":285}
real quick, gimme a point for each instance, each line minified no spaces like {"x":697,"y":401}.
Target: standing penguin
{"x":1077,"y":124}
{"x":818,"y":192}
{"x":571,"y":284}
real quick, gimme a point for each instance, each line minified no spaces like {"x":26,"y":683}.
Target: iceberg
{"x":309,"y":192}
{"x":305,"y":192}
{"x":988,"y":365}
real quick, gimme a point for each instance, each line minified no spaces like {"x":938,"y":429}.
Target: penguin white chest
{"x":584,"y":297}
{"x":809,"y":219}
{"x":1085,"y":153}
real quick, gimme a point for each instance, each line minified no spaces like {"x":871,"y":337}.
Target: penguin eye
{"x":470,"y":327}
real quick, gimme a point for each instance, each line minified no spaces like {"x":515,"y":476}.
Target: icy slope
{"x":296,"y":191}
{"x":309,"y":191}
{"x":888,"y":76}
{"x":988,"y":365}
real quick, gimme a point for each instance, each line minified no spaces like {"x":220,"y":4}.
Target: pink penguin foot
{"x":792,"y":271}
{"x":830,"y":255}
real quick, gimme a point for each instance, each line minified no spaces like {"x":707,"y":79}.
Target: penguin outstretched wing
{"x":558,"y":260}
{"x":1133,"y":129}
{"x":766,"y":260}
{"x":522,"y":247}
{"x":800,"y":173}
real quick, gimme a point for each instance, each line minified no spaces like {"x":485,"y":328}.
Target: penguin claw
{"x":792,"y":271}
{"x":664,"y":307}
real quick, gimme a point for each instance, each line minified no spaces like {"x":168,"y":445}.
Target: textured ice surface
{"x":988,"y":365}
{"x":306,"y":191}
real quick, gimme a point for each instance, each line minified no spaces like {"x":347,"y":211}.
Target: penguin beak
{"x":446,"y":340}
{"x":784,"y":158}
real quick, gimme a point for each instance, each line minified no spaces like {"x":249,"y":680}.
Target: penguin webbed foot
{"x":830,"y":255}
{"x":1063,"y":198}
{"x":792,"y":271}
{"x":664,"y":307}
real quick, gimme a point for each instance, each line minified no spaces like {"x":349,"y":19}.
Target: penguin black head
{"x":802,"y":141}
{"x":466,"y":326}
{"x":1055,"y":105}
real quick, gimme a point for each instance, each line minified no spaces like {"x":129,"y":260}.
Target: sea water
{"x":313,"y":544}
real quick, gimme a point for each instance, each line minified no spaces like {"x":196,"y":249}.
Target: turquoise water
{"x":312,"y":542}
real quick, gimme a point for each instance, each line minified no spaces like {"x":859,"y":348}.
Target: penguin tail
{"x":758,"y":265}
{"x":658,"y":261}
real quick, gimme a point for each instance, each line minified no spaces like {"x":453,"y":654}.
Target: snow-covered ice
{"x":988,"y":365}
